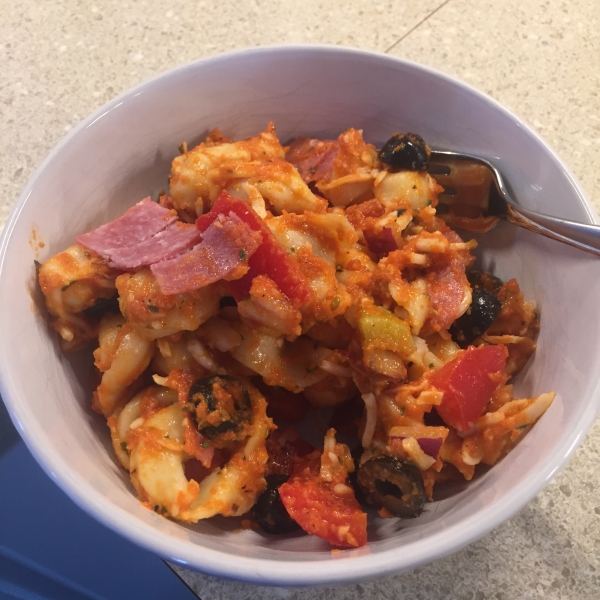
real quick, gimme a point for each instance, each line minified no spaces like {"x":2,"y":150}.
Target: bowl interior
{"x":123,"y":153}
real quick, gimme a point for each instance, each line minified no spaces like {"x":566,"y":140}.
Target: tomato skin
{"x":468,"y":383}
{"x":270,"y":258}
{"x":318,"y":510}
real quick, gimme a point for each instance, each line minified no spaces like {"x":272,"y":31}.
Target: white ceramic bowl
{"x":122,"y":153}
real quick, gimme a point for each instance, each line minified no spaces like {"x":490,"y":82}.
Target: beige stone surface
{"x":539,"y":58}
{"x":62,"y":59}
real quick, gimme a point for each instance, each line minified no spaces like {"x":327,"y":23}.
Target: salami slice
{"x":223,"y":254}
{"x":313,"y":158}
{"x":168,"y":243}
{"x":139,"y":223}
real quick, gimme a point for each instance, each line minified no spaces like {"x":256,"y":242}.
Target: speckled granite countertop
{"x":61,"y":59}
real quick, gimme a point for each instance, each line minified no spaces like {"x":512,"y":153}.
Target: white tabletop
{"x":541,"y":58}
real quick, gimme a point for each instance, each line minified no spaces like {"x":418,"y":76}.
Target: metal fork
{"x":471,"y":181}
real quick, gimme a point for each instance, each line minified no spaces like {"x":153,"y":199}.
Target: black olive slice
{"x":222,"y":404}
{"x":394,"y":485}
{"x":405,"y":151}
{"x":101,"y":307}
{"x":483,"y":311}
{"x":269,"y":511}
{"x":485,"y":280}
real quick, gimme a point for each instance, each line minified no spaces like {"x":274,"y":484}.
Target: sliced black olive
{"x":484,"y":309}
{"x":269,"y":511}
{"x":101,"y":307}
{"x":394,"y":485}
{"x":222,"y":404}
{"x":485,"y":280}
{"x":227,"y":301}
{"x":405,"y":151}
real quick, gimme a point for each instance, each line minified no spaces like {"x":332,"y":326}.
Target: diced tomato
{"x":468,"y":383}
{"x":270,"y":259}
{"x":283,"y":446}
{"x":312,"y":503}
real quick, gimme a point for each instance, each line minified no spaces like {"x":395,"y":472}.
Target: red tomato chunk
{"x":468,"y":383}
{"x":313,"y":504}
{"x":270,"y":259}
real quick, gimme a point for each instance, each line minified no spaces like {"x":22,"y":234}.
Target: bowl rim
{"x":259,"y":570}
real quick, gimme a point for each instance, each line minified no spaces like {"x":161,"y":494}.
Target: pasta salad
{"x":275,"y":283}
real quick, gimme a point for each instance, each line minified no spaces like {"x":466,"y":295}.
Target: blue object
{"x":50,"y":549}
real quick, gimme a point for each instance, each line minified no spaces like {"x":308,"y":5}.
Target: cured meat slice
{"x":270,"y":259}
{"x":139,"y":223}
{"x":313,"y":158}
{"x":168,"y":243}
{"x":446,"y":286}
{"x":226,"y":246}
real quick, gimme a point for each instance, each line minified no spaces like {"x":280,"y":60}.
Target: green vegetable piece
{"x":381,"y":329}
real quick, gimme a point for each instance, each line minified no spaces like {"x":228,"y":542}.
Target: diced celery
{"x":381,"y":329}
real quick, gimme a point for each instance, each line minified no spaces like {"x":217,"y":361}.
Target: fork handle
{"x":580,"y":235}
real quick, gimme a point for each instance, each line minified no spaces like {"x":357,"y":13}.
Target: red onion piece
{"x":431,"y":446}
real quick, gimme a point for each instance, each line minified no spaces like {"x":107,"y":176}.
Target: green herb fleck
{"x":167,"y":436}
{"x":124,"y":445}
{"x":245,"y":298}
{"x":37,"y":264}
{"x":152,"y":308}
{"x":205,"y":444}
{"x":182,"y":148}
{"x":312,"y":169}
{"x":428,"y":202}
{"x":311,"y":369}
{"x":292,"y":249}
{"x":242,"y":255}
{"x":431,"y":365}
{"x":335,"y":302}
{"x":522,"y":427}
{"x":400,"y":211}
{"x":64,"y":287}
